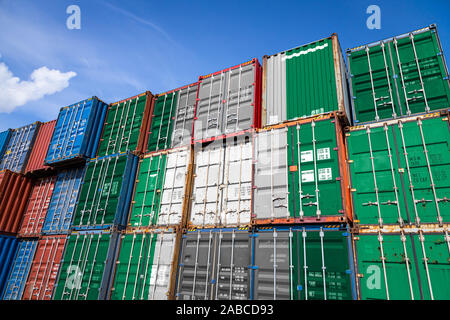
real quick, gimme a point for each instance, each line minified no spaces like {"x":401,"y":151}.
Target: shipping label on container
{"x":8,"y":249}
{"x":62,"y":204}
{"x":85,"y":271}
{"x":172,"y":118}
{"x":19,"y":148}
{"x":400,"y":172}
{"x":19,"y":271}
{"x":37,"y":207}
{"x":160,"y":189}
{"x":228,"y":102}
{"x":144,"y":266}
{"x":44,"y":268}
{"x":222,"y":183}
{"x":105,"y":195}
{"x":399,"y":76}
{"x":305,"y":81}
{"x":302,"y":264}
{"x":214,"y":265}
{"x":77,"y":131}
{"x":413,"y":266}
{"x":124,"y":124}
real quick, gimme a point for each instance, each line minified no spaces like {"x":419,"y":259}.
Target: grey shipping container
{"x":19,"y":148}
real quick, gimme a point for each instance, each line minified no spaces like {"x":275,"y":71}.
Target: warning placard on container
{"x":306,"y":156}
{"x":325,"y":174}
{"x":307,"y":176}
{"x":323,"y":154}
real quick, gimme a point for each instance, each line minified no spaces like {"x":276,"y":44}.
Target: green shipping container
{"x":105,"y":195}
{"x":159,"y":194}
{"x":172,"y":118}
{"x":399,"y":76}
{"x":145,"y":266}
{"x":126,"y":125}
{"x":403,"y":266}
{"x":400,"y":171}
{"x":305,"y":81}
{"x":86,"y":267}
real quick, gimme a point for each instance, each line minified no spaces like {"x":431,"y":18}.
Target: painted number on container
{"x":75,"y":277}
{"x":325,"y":174}
{"x":323,"y":154}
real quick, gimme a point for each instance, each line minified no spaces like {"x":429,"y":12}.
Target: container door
{"x":147,"y":196}
{"x":425,"y":157}
{"x":270,"y":198}
{"x":164,"y":111}
{"x":184,"y":116}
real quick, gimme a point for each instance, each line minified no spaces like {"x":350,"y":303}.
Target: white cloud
{"x":43,"y":81}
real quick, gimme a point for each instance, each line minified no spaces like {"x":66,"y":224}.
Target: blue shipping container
{"x":19,"y":272}
{"x":62,"y":204}
{"x":77,"y":132}
{"x":4,"y":139}
{"x":19,"y":148}
{"x":8,"y":249}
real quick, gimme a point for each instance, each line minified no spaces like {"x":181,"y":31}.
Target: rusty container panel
{"x":44,"y":268}
{"x":14,"y":191}
{"x":37,"y":207}
{"x":40,"y":147}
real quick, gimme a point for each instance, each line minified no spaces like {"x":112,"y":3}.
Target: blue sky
{"x":126,"y":47}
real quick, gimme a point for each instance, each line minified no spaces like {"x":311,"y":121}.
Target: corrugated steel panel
{"x":304,"y":82}
{"x":44,"y":268}
{"x":403,"y":266}
{"x":87,"y":266}
{"x":4,"y":139}
{"x":172,"y":118}
{"x":301,"y":173}
{"x":399,"y":76}
{"x":145,"y":267}
{"x":126,"y":125}
{"x":159,"y":196}
{"x":62,"y":204}
{"x":14,"y":192}
{"x":222,"y":185}
{"x":8,"y":249}
{"x":19,"y":270}
{"x":19,"y":148}
{"x":40,"y":147}
{"x":228,"y":101}
{"x":105,"y":195}
{"x":303,"y":263}
{"x":37,"y":207}
{"x":77,"y":132}
{"x":214,"y":265}
{"x":399,"y":171}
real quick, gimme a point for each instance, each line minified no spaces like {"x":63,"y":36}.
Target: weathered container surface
{"x":4,"y":139}
{"x":303,"y":263}
{"x":406,"y":181}
{"x":172,"y":118}
{"x":304,"y":82}
{"x":399,"y":76}
{"x":87,"y":265}
{"x":161,"y":185}
{"x":105,"y":195}
{"x":19,"y":147}
{"x":19,"y":271}
{"x":14,"y":192}
{"x":8,"y":249}
{"x":44,"y":268}
{"x":301,"y":174}
{"x":36,"y":161}
{"x":126,"y":125}
{"x":77,"y":132}
{"x":403,"y":266}
{"x":146,"y":267}
{"x":222,"y":184}
{"x":62,"y":204}
{"x":37,"y":207}
{"x":228,"y":101}
{"x":214,"y":265}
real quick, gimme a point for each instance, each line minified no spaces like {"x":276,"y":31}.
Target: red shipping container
{"x":44,"y":268}
{"x":15,"y":189}
{"x":40,"y":147}
{"x":37,"y":206}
